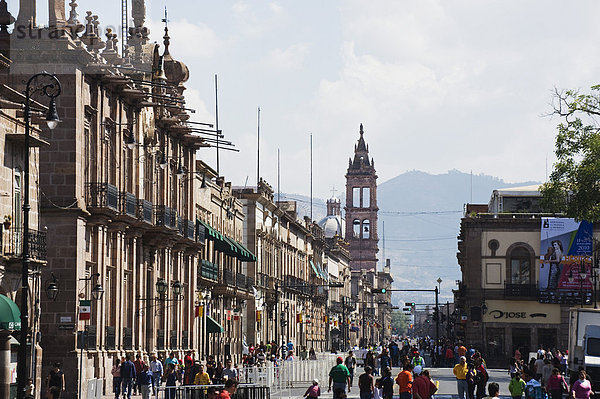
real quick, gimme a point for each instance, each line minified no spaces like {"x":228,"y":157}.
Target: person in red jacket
{"x":229,"y":389}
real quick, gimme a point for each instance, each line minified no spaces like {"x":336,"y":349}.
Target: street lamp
{"x":48,"y":85}
{"x":97,"y":293}
{"x":52,"y":288}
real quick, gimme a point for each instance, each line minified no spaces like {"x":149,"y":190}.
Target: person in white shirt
{"x":156,"y":368}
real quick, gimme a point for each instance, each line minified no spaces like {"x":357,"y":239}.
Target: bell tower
{"x":361,"y":208}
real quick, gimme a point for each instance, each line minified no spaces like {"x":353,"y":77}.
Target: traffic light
{"x":435,"y":315}
{"x":378,"y":290}
{"x":411,"y":304}
{"x":282,"y":319}
{"x":335,"y":285}
{"x":406,"y":309}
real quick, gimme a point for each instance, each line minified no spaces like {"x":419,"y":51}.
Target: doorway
{"x":521,"y":339}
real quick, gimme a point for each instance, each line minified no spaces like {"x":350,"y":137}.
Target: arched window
{"x":520,"y":266}
{"x":366,"y":229}
{"x":356,"y":228}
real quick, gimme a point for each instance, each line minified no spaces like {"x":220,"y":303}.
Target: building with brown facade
{"x":500,"y":307}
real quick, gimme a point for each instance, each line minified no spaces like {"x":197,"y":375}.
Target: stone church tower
{"x":361,"y":208}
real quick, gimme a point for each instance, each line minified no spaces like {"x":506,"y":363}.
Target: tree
{"x":574,"y":184}
{"x":399,"y":323}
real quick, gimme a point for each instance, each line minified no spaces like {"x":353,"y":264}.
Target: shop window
{"x":520,"y":266}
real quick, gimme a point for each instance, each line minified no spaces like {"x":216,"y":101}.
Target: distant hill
{"x":421,"y":213}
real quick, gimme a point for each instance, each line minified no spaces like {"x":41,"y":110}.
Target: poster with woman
{"x":566,"y":246}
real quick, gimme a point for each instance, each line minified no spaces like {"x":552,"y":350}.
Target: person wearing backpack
{"x":481,"y":378}
{"x":556,"y":384}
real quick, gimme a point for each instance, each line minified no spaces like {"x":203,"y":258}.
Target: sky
{"x":438,"y":84}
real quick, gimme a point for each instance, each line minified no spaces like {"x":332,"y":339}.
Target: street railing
{"x":288,"y":374}
{"x":244,"y":391}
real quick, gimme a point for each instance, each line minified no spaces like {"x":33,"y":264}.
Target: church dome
{"x":177,"y":72}
{"x":332,"y":226}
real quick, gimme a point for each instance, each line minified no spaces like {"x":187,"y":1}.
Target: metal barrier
{"x":244,"y":391}
{"x":289,"y":374}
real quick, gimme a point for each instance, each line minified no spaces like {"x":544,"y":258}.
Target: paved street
{"x":446,"y":390}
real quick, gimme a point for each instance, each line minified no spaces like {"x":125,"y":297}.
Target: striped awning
{"x":227,"y":245}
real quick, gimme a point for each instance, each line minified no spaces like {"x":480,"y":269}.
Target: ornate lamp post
{"x":47,"y":85}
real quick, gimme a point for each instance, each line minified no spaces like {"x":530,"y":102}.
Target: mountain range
{"x":418,"y":224}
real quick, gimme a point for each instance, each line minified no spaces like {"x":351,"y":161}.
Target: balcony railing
{"x":249,"y":282}
{"x":228,"y":277}
{"x":521,"y":291}
{"x":209,"y":270}
{"x":165,"y":217}
{"x":11,"y":242}
{"x":128,"y":204}
{"x":145,"y":211}
{"x":262,"y":280}
{"x":240,"y":280}
{"x":102,"y":195}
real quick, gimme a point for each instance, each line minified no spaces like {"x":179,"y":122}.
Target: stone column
{"x":26,"y":13}
{"x":56,"y":13}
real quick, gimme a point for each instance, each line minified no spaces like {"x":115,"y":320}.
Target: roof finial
{"x":361,"y":129}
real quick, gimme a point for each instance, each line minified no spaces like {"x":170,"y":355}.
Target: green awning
{"x":10,"y":315}
{"x":222,"y":243}
{"x":315,"y":269}
{"x":323,"y":272}
{"x":244,"y":253}
{"x":212,"y":326}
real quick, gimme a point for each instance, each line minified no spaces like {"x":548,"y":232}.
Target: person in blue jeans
{"x":116,"y":373}
{"x":127,"y":376}
{"x":156,"y":368}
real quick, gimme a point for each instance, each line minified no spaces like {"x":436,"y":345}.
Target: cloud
{"x":206,"y":42}
{"x":289,"y":58}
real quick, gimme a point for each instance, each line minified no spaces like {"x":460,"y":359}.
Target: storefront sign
{"x":521,"y":312}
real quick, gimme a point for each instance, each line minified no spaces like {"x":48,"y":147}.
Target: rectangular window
{"x":366,"y":197}
{"x":356,"y":197}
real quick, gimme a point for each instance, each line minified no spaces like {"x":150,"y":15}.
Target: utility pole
{"x":437,"y":323}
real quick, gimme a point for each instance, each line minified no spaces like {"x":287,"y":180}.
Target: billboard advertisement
{"x":565,"y":261}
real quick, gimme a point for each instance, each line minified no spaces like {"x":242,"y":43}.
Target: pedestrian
{"x":202,"y":377}
{"x":339,"y":376}
{"x":229,"y":389}
{"x":423,"y":387}
{"x":472,"y":379}
{"x":127,"y":376}
{"x":481,"y":378}
{"x":139,"y":366}
{"x":533,"y":388}
{"x":556,"y":384}
{"x":171,"y":378}
{"x":156,"y":368}
{"x":171,"y":359}
{"x":387,"y":384}
{"x":312,"y":354}
{"x":366,"y":383}
{"x":144,"y":381}
{"x":30,"y":389}
{"x":385,"y":359}
{"x":116,"y":373}
{"x":350,"y":363}
{"x":418,"y":360}
{"x":313,"y":391}
{"x":582,"y":389}
{"x":460,"y":372}
{"x":516,"y":386}
{"x":546,"y":372}
{"x":405,"y":381}
{"x":56,"y":378}
{"x":229,"y":371}
{"x":493,"y":390}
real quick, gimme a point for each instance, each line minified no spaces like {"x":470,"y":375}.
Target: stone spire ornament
{"x":90,"y":37}
{"x":27,"y":14}
{"x":56,"y":11}
{"x":73,"y":23}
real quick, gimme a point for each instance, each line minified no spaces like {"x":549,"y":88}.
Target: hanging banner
{"x":85,"y":310}
{"x":565,"y":261}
